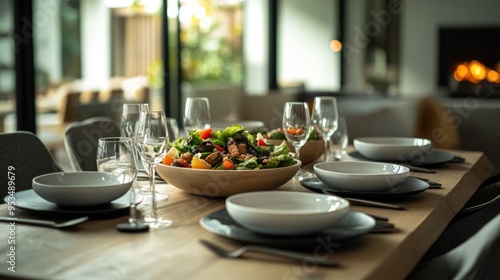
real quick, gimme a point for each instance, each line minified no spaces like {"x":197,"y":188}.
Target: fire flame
{"x":474,"y":72}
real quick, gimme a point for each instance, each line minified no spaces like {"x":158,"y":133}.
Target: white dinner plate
{"x":28,"y":200}
{"x":353,"y":225}
{"x":411,"y":186}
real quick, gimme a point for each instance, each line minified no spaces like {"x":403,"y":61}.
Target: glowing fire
{"x":475,"y":72}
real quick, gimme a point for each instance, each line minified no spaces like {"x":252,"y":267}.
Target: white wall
{"x":96,"y":43}
{"x":256,"y":47}
{"x":419,"y":36}
{"x":305,"y":29}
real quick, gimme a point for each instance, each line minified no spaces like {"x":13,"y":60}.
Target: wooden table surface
{"x":96,"y":250}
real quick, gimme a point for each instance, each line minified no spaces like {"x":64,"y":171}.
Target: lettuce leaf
{"x":280,"y":161}
{"x":281,"y":149}
{"x":248,"y":165}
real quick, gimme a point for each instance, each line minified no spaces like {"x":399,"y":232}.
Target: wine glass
{"x":130,"y":119}
{"x":325,"y":119}
{"x":128,"y":126}
{"x":296,"y":126}
{"x":152,"y":141}
{"x":339,"y":140}
{"x":196,"y":114}
{"x":173,"y":129}
{"x":117,"y":155}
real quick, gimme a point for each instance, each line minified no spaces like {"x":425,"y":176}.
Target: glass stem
{"x":133,"y":207}
{"x":152,"y":186}
{"x":297,"y":151}
{"x":325,"y":151}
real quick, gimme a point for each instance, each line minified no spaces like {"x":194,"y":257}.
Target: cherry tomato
{"x":291,"y":130}
{"x":228,"y":164}
{"x":261,"y":143}
{"x":206,"y":133}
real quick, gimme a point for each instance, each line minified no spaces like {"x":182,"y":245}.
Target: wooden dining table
{"x":96,"y":250}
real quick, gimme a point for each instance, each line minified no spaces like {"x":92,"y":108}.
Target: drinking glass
{"x":152,"y":138}
{"x":296,"y":126}
{"x":117,"y":155}
{"x":339,"y":140}
{"x":325,"y":119}
{"x":173,"y":129}
{"x":196,"y":114}
{"x":130,"y":119}
{"x":128,"y":126}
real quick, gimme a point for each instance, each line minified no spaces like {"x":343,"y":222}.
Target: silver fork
{"x":45,"y":223}
{"x":284,"y":253}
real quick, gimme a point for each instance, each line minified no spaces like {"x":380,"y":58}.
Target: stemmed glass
{"x":296,"y":126}
{"x":117,"y":155}
{"x":196,"y":114}
{"x":130,"y":119}
{"x":339,"y":140}
{"x":325,"y":119}
{"x":173,"y":129}
{"x":152,"y":138}
{"x":128,"y":126}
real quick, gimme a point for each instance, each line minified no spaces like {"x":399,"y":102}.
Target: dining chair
{"x":477,"y":258}
{"x":23,"y":156}
{"x":481,"y":208}
{"x":81,"y":138}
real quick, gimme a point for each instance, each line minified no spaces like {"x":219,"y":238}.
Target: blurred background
{"x":68,"y":60}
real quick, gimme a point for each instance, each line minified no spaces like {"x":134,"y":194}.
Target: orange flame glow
{"x":474,"y":72}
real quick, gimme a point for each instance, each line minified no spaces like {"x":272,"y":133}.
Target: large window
{"x":211,"y":41}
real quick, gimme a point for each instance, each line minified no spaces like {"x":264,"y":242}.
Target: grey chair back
{"x":81,"y":139}
{"x":23,"y":156}
{"x":476,"y":258}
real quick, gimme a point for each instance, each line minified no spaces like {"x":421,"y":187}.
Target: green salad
{"x":230,"y":149}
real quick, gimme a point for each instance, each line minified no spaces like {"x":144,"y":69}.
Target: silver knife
{"x":418,"y":169}
{"x":363,"y":202}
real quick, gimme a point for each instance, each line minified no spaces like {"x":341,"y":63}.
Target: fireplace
{"x":469,"y":60}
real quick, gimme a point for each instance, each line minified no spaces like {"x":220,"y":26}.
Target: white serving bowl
{"x":392,"y":148}
{"x":361,"y":175}
{"x":223,"y":183}
{"x":286,"y":213}
{"x":87,"y":188}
